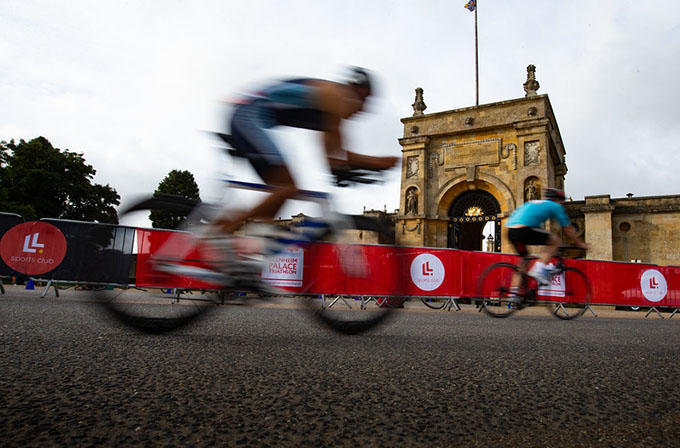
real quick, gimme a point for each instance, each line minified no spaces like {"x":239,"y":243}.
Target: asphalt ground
{"x":269,"y":376}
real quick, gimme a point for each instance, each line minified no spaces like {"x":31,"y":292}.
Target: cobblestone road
{"x":269,"y":377}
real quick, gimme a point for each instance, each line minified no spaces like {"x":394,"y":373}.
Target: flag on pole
{"x":471,"y":5}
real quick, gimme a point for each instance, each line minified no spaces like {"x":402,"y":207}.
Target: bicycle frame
{"x":499,"y":299}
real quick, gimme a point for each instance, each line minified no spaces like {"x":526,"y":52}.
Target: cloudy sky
{"x":134,"y":84}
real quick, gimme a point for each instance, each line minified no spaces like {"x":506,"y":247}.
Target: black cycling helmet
{"x":554,"y":194}
{"x":360,"y":79}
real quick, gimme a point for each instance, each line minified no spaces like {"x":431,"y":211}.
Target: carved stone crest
{"x":412,"y":166}
{"x":532,"y":152}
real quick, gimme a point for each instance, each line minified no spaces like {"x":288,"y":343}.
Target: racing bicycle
{"x":221,"y":269}
{"x":568,"y":295}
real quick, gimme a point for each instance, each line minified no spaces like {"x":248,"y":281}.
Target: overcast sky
{"x":133,"y":84}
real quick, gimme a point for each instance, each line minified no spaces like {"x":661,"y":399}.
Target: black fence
{"x":95,"y":253}
{"x":7,"y":221}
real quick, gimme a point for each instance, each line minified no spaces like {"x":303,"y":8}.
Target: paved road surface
{"x":269,"y":377}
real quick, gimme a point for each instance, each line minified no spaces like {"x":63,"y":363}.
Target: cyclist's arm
{"x":332,"y":142}
{"x":339,"y":157}
{"x":332,"y":136}
{"x":571,"y":233}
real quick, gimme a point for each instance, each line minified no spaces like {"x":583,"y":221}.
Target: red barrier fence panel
{"x":170,"y":245}
{"x":409,"y":271}
{"x":351,"y":269}
{"x":631,"y":284}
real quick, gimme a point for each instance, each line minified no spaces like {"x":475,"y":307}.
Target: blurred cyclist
{"x":314,"y":104}
{"x":524,"y":228}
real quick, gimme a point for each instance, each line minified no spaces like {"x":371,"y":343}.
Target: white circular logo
{"x":653,"y":285}
{"x":427,"y":272}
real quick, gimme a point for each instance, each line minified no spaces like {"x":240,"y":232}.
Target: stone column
{"x":598,"y":227}
{"x":410,"y":223}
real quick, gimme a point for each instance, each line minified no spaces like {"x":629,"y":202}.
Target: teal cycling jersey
{"x":535,"y":213}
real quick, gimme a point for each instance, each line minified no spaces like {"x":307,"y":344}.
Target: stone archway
{"x":469,"y":213}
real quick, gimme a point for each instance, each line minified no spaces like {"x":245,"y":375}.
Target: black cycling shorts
{"x":521,"y":237}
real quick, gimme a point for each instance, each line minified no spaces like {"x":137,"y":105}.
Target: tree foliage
{"x":179,"y":183}
{"x":38,"y":180}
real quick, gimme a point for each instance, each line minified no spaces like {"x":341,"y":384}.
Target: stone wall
{"x":643,"y":229}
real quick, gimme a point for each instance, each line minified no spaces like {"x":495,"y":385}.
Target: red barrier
{"x":409,"y":271}
{"x":173,"y":246}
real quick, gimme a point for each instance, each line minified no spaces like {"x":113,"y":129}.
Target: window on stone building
{"x":624,"y":226}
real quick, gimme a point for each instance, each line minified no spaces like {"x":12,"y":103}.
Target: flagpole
{"x":476,"y":55}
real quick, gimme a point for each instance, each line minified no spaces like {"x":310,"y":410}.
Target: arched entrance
{"x":469,"y":213}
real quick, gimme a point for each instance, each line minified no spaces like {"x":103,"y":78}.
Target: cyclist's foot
{"x":542,"y":274}
{"x":515,"y":299}
{"x":233,"y":254}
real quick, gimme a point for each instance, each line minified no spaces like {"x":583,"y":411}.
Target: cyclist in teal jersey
{"x":524,"y":228}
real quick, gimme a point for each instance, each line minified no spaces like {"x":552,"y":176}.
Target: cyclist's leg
{"x":550,"y":248}
{"x":550,"y":243}
{"x":250,"y":139}
{"x":515,"y":235}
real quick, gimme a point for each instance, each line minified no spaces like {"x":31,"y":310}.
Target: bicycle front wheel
{"x":158,"y":304}
{"x":577,"y":294}
{"x":493,"y":289}
{"x":435,"y":304}
{"x":354,"y":285}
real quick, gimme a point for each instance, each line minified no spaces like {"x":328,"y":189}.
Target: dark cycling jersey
{"x":287,"y":103}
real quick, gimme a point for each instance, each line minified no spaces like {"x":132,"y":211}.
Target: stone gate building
{"x":465,"y":170}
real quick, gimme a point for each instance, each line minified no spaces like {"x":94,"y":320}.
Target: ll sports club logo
{"x":427,"y":272}
{"x":33,"y":248}
{"x":653,"y":285}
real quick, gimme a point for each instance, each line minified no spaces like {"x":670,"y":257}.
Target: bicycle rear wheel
{"x":493,"y":288}
{"x":577,"y":292}
{"x":158,"y":303}
{"x":435,"y":304}
{"x":361,"y":276}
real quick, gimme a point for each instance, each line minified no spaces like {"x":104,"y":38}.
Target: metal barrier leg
{"x":176,"y":293}
{"x":560,"y":306}
{"x":336,"y":299}
{"x":673,"y":313}
{"x":590,"y":308}
{"x":47,"y":288}
{"x":656,"y":311}
{"x":451,"y":303}
{"x":365,"y":300}
{"x":2,"y":287}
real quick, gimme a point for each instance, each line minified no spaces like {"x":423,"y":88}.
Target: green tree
{"x":178,"y":183}
{"x":38,"y":180}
